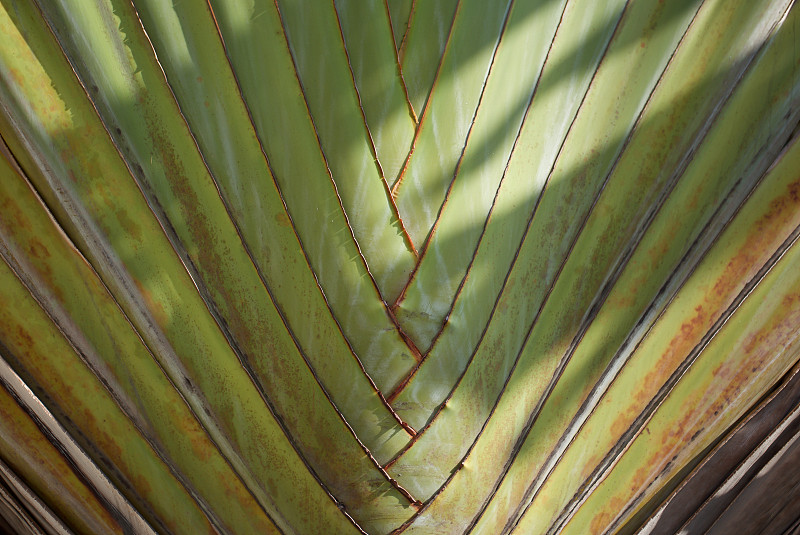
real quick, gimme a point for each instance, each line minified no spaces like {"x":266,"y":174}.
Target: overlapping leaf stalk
{"x":392,"y":267}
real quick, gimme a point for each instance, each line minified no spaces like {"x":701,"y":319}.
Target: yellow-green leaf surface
{"x":430,"y":25}
{"x":399,"y":13}
{"x":28,"y":452}
{"x":280,"y":115}
{"x":67,"y":287}
{"x":722,"y":371}
{"x":398,"y":266}
{"x":445,"y":120}
{"x":132,"y":463}
{"x":544,"y":253}
{"x":164,"y":304}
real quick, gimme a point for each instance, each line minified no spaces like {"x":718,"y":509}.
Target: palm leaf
{"x":376,"y":267}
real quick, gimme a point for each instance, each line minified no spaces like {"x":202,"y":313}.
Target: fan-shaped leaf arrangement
{"x":455,"y":266}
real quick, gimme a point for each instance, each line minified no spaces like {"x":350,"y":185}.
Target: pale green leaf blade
{"x":546,"y":344}
{"x":345,"y":141}
{"x":730,"y":369}
{"x":33,"y":341}
{"x":165,"y":305}
{"x":529,"y":171}
{"x":429,"y":28}
{"x":381,"y":91}
{"x":64,"y":285}
{"x":258,"y":328}
{"x":512,"y":82}
{"x":399,"y":16}
{"x":276,"y":103}
{"x":446,"y":120}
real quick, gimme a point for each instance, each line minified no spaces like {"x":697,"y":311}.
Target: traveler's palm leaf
{"x":402,"y":266}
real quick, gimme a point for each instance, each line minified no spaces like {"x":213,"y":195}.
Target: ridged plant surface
{"x":399,"y":266}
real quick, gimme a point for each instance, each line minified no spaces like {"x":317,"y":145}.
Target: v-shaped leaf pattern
{"x":399,"y":15}
{"x":378,"y":79}
{"x":429,"y":28}
{"x":401,"y":262}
